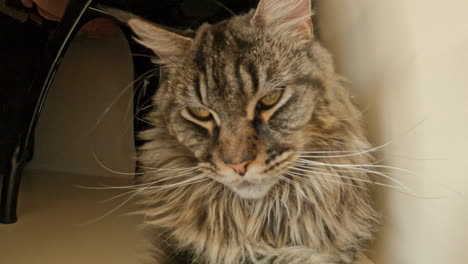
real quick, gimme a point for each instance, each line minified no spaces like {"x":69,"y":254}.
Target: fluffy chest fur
{"x":311,"y":215}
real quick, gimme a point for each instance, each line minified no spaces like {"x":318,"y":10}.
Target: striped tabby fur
{"x":283,"y":210}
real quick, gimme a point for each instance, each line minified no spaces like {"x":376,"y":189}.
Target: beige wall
{"x":407,"y":62}
{"x":92,"y":75}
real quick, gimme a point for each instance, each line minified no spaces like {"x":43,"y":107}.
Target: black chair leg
{"x":10,"y":190}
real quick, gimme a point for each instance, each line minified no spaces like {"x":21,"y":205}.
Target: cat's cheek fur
{"x":192,"y":136}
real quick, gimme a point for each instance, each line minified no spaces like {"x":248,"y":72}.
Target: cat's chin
{"x":251,"y":191}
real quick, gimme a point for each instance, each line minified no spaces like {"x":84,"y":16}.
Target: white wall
{"x":407,"y":62}
{"x":92,"y":75}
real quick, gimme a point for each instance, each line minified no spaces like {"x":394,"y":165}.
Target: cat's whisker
{"x":144,"y":108}
{"x":135,"y":186}
{"x":143,"y":120}
{"x":141,"y":55}
{"x":393,"y":188}
{"x":111,"y":211}
{"x":307,"y":169}
{"x":345,"y":155}
{"x":161,"y":170}
{"x":328,"y":180}
{"x":315,"y":176}
{"x":111,"y":170}
{"x":117,"y":97}
{"x":119,"y":195}
{"x":136,"y":192}
{"x":196,"y":179}
{"x":354,"y":179}
{"x":355,"y":165}
{"x":224,"y":7}
{"x":133,"y":173}
{"x":281,"y":177}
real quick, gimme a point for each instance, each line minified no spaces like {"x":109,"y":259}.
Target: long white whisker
{"x":355,"y":165}
{"x":196,"y":179}
{"x":111,"y":170}
{"x":289,"y":181}
{"x":347,"y":155}
{"x":154,"y":169}
{"x":351,"y":178}
{"x":135,"y":186}
{"x":119,"y":95}
{"x":119,"y":195}
{"x":363,"y":170}
{"x":111,"y":211}
{"x":316,"y":176}
{"x":137,"y":192}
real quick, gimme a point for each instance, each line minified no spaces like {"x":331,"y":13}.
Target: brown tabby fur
{"x":307,"y":216}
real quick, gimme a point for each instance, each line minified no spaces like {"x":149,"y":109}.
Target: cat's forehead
{"x":227,"y":40}
{"x":224,"y":65}
{"x":233,"y":62}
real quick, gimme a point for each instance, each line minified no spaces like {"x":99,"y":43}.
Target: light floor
{"x":54,"y":223}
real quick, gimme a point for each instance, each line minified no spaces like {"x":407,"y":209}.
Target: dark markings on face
{"x":199,"y":57}
{"x":304,"y":80}
{"x":253,"y":72}
{"x":284,"y":109}
{"x":197,"y":87}
{"x":201,"y":131}
{"x":237,"y":69}
{"x":239,"y":43}
{"x":218,"y":31}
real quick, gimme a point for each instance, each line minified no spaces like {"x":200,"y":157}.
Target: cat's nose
{"x":240,"y":168}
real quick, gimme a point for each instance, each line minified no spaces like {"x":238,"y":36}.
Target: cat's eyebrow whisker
{"x":345,"y":155}
{"x":118,"y":96}
{"x":224,"y":7}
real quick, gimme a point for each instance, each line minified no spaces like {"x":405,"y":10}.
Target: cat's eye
{"x":270,"y":99}
{"x":200,"y":113}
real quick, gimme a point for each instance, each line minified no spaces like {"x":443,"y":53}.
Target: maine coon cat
{"x":250,"y":127}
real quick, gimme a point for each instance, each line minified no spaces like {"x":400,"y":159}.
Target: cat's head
{"x":245,"y":95}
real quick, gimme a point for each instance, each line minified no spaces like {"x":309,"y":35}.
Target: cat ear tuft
{"x":168,"y":45}
{"x":291,"y":16}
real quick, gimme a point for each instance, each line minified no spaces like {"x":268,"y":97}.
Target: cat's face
{"x":240,"y":95}
{"x":241,"y":108}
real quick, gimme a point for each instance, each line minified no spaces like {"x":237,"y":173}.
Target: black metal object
{"x":24,"y":86}
{"x":28,"y":115}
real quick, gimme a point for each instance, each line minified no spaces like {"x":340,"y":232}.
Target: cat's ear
{"x":291,"y":16}
{"x":169,"y":46}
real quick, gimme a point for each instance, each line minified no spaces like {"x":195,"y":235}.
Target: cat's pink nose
{"x":240,"y":168}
